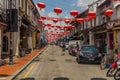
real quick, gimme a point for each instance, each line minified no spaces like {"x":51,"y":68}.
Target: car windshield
{"x":88,"y":48}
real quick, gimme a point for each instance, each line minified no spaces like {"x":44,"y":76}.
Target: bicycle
{"x":106,"y":61}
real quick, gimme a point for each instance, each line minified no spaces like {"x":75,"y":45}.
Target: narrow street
{"x":53,"y":64}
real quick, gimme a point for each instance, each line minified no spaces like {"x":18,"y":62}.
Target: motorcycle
{"x":74,"y":51}
{"x":113,"y":69}
{"x":117,"y":73}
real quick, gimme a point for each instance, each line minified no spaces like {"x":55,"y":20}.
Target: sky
{"x":66,"y":5}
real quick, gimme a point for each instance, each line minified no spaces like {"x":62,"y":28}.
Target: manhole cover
{"x":52,"y":54}
{"x":52,"y":59}
{"x":69,"y":60}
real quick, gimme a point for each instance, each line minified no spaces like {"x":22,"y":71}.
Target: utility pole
{"x":11,"y":46}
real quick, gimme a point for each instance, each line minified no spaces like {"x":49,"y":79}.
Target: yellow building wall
{"x":34,"y":39}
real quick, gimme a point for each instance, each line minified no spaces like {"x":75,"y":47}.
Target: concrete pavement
{"x":8,"y":72}
{"x":54,"y":64}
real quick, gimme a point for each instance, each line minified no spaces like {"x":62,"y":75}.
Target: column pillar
{"x":91,"y":38}
{"x":29,"y":39}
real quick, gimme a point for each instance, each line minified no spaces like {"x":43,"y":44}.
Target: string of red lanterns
{"x":74,"y":13}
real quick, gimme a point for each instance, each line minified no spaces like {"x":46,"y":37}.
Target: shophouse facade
{"x":27,"y":26}
{"x":103,"y":30}
{"x":3,"y":37}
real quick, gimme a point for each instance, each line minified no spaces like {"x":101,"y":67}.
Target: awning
{"x":116,"y":28}
{"x":98,"y":32}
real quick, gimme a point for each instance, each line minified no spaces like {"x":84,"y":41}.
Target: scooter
{"x":117,"y":73}
{"x":114,"y":67}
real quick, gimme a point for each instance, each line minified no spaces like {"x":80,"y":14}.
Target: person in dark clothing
{"x":77,"y":45}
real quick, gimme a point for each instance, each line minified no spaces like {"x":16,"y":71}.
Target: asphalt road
{"x":54,"y":64}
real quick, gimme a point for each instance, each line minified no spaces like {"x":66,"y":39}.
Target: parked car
{"x":72,"y":49}
{"x":88,"y":53}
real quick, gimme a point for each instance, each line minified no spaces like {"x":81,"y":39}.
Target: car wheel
{"x":78,"y":60}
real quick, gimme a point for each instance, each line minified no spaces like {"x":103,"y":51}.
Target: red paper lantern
{"x":58,"y":26}
{"x":72,"y":27}
{"x":79,"y":20}
{"x":49,"y":28}
{"x":91,"y":14}
{"x":87,"y":19}
{"x":41,"y":5}
{"x":55,"y":20}
{"x":56,"y":29}
{"x":67,"y":21}
{"x":48,"y":24}
{"x":74,"y":13}
{"x":40,"y":20}
{"x":58,"y":10}
{"x":66,"y":27}
{"x":108,"y":12}
{"x":43,"y":17}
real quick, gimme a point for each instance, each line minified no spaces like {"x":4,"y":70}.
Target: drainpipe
{"x":0,"y":45}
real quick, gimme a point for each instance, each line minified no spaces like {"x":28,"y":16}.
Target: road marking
{"x":32,"y":66}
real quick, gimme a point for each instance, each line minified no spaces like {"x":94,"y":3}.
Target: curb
{"x":13,"y":76}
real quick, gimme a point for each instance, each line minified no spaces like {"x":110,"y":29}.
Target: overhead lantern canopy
{"x":58,"y":10}
{"x":108,"y":12}
{"x":41,"y":5}
{"x":74,"y":13}
{"x":92,"y":14}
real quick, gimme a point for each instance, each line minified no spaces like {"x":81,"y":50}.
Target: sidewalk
{"x":9,"y":70}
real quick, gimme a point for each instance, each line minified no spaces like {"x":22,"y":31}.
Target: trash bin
{"x":22,"y":52}
{"x":28,"y":51}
